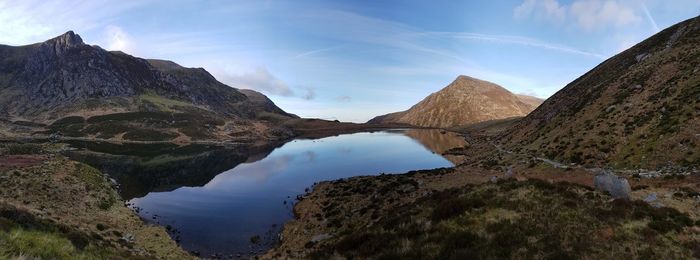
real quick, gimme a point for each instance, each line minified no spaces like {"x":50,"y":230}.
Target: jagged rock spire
{"x":65,"y":42}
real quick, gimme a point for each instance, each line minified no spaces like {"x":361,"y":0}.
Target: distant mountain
{"x":466,"y":100}
{"x":640,"y":108}
{"x":530,"y":100}
{"x":42,"y":83}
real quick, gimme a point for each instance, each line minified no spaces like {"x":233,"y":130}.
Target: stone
{"x":320,"y":237}
{"x":649,"y":174}
{"x":509,"y":172}
{"x":641,"y":57}
{"x":129,"y":238}
{"x":651,"y":198}
{"x":617,"y":187}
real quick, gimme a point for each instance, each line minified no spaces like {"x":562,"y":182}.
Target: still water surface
{"x":216,"y":199}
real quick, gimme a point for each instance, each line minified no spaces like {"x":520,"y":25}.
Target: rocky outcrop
{"x":465,"y":101}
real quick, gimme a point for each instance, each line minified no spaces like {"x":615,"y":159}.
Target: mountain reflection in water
{"x":217,"y":198}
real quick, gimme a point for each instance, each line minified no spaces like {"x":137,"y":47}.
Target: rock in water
{"x":617,"y":187}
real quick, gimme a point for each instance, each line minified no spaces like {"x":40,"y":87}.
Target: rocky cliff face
{"x":640,"y":108}
{"x":73,"y":88}
{"x":63,"y":75}
{"x":466,"y":100}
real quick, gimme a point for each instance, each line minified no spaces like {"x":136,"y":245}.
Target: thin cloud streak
{"x":314,"y":52}
{"x":525,"y":42}
{"x":652,"y":22}
{"x":363,"y":29}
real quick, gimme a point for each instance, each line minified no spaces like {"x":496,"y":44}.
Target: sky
{"x":353,"y":60}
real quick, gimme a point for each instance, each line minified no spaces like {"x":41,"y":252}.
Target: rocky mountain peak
{"x":464,"y":101}
{"x":65,"y":42}
{"x":466,"y":83}
{"x":465,"y":78}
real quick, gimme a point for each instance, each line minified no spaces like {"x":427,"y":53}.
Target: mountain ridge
{"x":64,"y":77}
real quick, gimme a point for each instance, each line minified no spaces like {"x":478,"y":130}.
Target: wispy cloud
{"x":117,"y":39}
{"x":595,"y":14}
{"x":589,"y":15}
{"x":261,"y":80}
{"x":314,"y":52}
{"x":524,"y":41}
{"x":542,"y":9}
{"x":356,"y":28}
{"x":344,"y":98}
{"x":30,"y":21}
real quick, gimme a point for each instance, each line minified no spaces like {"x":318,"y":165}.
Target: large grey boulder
{"x":617,"y":187}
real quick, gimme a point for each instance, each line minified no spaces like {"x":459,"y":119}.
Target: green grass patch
{"x":162,"y":103}
{"x":23,"y":236}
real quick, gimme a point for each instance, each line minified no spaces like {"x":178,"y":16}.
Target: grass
{"x":20,"y":148}
{"x":24,"y":236}
{"x":162,"y":103}
{"x":131,"y":117}
{"x":510,"y":219}
{"x":69,"y":121}
{"x":196,"y":131}
{"x":67,"y":129}
{"x":106,"y":129}
{"x":151,"y":126}
{"x":94,"y":180}
{"x":157,"y":125}
{"x":42,"y":245}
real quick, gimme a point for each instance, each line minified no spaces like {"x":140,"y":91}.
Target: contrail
{"x":651,"y":19}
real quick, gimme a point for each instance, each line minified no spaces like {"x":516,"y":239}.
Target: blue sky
{"x":352,"y":60}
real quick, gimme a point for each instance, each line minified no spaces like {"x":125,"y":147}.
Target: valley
{"x":105,"y":155}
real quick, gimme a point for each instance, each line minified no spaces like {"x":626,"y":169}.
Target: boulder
{"x":617,"y":187}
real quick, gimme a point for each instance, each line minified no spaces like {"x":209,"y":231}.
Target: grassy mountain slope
{"x":640,"y":108}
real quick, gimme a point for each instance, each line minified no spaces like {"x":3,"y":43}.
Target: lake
{"x":234,"y":200}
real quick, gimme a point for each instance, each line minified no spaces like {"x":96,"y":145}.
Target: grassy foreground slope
{"x":431,"y":215}
{"x":55,"y":208}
